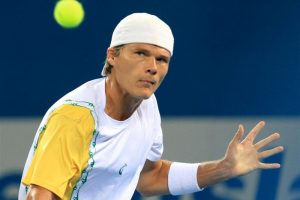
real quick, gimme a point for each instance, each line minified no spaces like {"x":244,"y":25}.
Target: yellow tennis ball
{"x":68,"y":13}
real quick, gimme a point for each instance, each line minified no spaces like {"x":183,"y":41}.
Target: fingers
{"x":267,"y":140}
{"x":269,"y":165}
{"x":270,"y":152}
{"x":239,"y":134}
{"x":254,"y":132}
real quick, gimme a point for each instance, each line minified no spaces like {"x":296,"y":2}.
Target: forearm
{"x":154,"y":178}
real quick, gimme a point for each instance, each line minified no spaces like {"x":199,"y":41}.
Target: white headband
{"x":142,"y":28}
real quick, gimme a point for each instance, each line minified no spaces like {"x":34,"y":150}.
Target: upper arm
{"x":154,"y":178}
{"x":40,"y":193}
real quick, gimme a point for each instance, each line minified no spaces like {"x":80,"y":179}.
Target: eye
{"x":162,"y":59}
{"x":140,"y":53}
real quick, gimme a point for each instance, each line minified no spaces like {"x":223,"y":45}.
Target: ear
{"x":110,"y":56}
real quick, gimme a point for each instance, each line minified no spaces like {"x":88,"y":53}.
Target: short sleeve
{"x":61,"y":149}
{"x":157,"y":147}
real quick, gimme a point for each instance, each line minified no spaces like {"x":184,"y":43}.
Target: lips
{"x":148,"y":81}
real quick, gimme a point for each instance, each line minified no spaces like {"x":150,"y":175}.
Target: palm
{"x":244,"y":156}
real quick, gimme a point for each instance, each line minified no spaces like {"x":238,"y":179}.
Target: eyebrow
{"x":148,"y":52}
{"x":166,"y":58}
{"x":141,"y":49}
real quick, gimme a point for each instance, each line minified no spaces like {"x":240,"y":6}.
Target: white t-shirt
{"x":117,"y":151}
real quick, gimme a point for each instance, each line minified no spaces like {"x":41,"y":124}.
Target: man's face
{"x":139,"y":68}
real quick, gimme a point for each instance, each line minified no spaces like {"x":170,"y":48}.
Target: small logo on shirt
{"x":122,"y":168}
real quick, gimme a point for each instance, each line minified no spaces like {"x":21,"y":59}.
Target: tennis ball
{"x":68,"y":13}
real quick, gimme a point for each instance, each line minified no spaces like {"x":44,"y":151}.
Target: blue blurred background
{"x":231,"y":59}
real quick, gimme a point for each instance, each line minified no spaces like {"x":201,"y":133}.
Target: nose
{"x":152,"y":66}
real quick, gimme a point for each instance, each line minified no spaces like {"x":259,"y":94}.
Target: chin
{"x":145,"y":95}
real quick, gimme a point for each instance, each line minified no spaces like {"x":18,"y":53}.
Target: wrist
{"x":226,"y":167}
{"x":182,"y":178}
{"x":213,"y":172}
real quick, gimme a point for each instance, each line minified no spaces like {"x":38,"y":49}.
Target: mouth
{"x":148,"y":81}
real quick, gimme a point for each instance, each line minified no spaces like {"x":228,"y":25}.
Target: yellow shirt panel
{"x":63,"y":150}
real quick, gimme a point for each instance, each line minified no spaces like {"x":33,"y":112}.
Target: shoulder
{"x":72,"y":112}
{"x":84,"y":99}
{"x":74,"y":118}
{"x":87,"y":92}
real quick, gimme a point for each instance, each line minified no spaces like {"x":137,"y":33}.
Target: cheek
{"x":163,"y":74}
{"x":128,"y":66}
{"x":161,"y":80}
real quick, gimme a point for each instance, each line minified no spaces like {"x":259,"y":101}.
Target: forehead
{"x":148,"y":47}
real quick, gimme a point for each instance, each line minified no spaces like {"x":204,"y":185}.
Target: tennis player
{"x":104,"y":140}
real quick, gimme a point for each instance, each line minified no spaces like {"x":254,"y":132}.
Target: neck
{"x":119,"y":104}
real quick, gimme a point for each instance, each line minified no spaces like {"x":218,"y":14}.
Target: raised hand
{"x":243,"y":156}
